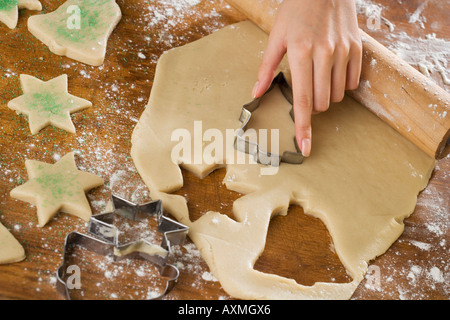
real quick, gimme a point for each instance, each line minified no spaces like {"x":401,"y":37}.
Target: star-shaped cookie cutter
{"x":103,"y":240}
{"x":252,"y":148}
{"x":101,"y":225}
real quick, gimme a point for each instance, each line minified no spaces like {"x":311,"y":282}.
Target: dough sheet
{"x":362,"y":178}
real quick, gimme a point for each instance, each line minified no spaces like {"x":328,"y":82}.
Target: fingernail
{"x":306,"y":147}
{"x":255,"y":89}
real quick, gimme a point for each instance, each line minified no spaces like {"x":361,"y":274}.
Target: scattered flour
{"x":368,"y":8}
{"x":421,"y":245}
{"x":436,"y":275}
{"x":373,"y":13}
{"x":417,"y":17}
{"x":180,"y":4}
{"x":430,"y":54}
{"x":208,"y":276}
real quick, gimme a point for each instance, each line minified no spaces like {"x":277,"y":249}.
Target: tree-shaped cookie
{"x":78,"y":29}
{"x":47,"y":103}
{"x":58,"y":187}
{"x":10,"y":249}
{"x":9,"y":10}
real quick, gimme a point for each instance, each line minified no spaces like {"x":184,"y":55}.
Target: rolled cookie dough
{"x":361,"y":180}
{"x":10,"y":249}
{"x":78,"y":29}
{"x":9,"y":10}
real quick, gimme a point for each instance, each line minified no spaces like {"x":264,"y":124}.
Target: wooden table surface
{"x":415,"y":267}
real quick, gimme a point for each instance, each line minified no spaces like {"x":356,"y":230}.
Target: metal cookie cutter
{"x":252,"y":148}
{"x":101,"y":227}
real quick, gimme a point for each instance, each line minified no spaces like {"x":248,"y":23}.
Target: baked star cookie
{"x":47,"y":103}
{"x":58,"y":187}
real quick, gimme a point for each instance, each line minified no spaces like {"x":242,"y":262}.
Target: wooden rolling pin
{"x":391,"y":88}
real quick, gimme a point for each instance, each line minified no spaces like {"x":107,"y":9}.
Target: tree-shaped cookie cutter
{"x":103,"y":239}
{"x":252,"y":148}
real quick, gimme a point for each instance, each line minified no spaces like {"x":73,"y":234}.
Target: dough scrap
{"x":10,"y":249}
{"x":361,"y":180}
{"x":9,"y":10}
{"x":57,"y":187}
{"x":47,"y":103}
{"x":78,"y":29}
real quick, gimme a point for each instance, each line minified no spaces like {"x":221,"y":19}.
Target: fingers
{"x":301,"y":65}
{"x":354,"y":66}
{"x":271,"y":59}
{"x":346,"y":71}
{"x":339,"y":77}
{"x":320,"y":75}
{"x":323,"y":65}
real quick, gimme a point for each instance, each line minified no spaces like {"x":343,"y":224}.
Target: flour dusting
{"x":417,"y":16}
{"x":428,"y":53}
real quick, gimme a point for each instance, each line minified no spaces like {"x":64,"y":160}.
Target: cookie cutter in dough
{"x":252,"y":148}
{"x":103,"y":240}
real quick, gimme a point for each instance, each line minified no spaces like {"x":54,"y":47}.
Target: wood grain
{"x":119,"y":91}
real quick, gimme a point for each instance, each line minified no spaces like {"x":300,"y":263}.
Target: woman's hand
{"x":324,"y":50}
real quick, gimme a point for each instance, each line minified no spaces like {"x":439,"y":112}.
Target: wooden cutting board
{"x":298,"y":246}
